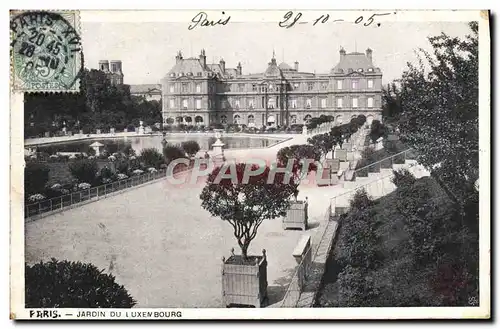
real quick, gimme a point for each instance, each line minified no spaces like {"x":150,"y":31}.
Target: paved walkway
{"x":161,"y":245}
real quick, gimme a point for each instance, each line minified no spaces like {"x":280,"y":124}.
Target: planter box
{"x":296,"y":215}
{"x":244,"y":284}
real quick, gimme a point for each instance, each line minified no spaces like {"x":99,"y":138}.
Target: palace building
{"x":195,"y":92}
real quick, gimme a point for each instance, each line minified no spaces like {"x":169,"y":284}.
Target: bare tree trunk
{"x":244,"y":251}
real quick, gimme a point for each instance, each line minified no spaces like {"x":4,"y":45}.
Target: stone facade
{"x":115,"y":73}
{"x":195,"y":92}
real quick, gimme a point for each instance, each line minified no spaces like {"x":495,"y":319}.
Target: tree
{"x":172,"y":152}
{"x":324,"y":142}
{"x":245,"y":205}
{"x":439,"y":109}
{"x":36,"y":175}
{"x":377,"y":130}
{"x":190,"y":147}
{"x":64,"y":284}
{"x":298,"y":153}
{"x":84,"y":171}
{"x":151,"y":157}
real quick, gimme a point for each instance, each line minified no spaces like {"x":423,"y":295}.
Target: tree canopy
{"x":245,"y":202}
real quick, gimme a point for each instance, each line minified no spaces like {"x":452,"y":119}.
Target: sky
{"x":147,"y":49}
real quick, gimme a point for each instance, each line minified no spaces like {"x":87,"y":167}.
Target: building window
{"x":263,"y":89}
{"x":271,"y":104}
{"x":185,"y":104}
{"x":209,"y":103}
{"x":236,"y":119}
{"x":172,"y":88}
{"x":324,"y":85}
{"x":241,"y":87}
{"x":323,"y":103}
{"x":293,"y":119}
{"x":251,"y":120}
{"x":250,"y":103}
{"x":354,"y":102}
{"x":296,"y":86}
{"x":370,"y":84}
{"x":370,"y":101}
{"x":198,"y":87}
{"x":237,"y":103}
{"x":172,"y":103}
{"x":307,"y":118}
{"x":354,"y":84}
{"x":310,"y":86}
{"x":198,"y":104}
{"x":339,"y":102}
{"x":254,"y":87}
{"x":184,"y":87}
{"x":198,"y":74}
{"x":223,"y":119}
{"x":308,"y":103}
{"x":339,"y":84}
{"x":293,"y":103}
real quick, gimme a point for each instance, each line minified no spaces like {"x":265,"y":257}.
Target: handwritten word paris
{"x":201,"y":19}
{"x":290,"y":19}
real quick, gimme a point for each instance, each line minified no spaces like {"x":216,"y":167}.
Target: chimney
{"x":369,"y":54}
{"x":342,"y":53}
{"x":178,"y":58}
{"x":296,"y":66}
{"x":203,"y":59}
{"x":222,"y":65}
{"x":238,"y":69}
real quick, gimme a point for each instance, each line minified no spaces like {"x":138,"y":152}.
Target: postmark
{"x":46,"y":52}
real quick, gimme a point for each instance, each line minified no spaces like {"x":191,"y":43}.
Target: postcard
{"x":250,"y":164}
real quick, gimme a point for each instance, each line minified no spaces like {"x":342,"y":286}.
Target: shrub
{"x":377,"y":130}
{"x":151,"y":157}
{"x":190,"y":147}
{"x":35,"y":177}
{"x":172,"y":152}
{"x":403,"y":178}
{"x":65,"y":284}
{"x":84,"y":170}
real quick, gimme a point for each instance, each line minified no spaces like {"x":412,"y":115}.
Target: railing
{"x":66,"y":201}
{"x":381,"y":186}
{"x":386,"y":163}
{"x":303,"y":270}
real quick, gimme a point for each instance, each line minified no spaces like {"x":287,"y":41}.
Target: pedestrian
{"x":207,"y":156}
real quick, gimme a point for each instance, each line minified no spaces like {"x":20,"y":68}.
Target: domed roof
{"x":272,"y":70}
{"x":285,"y":67}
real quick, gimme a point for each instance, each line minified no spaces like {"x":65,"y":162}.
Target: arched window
{"x":198,"y":119}
{"x":307,"y":118}
{"x":251,"y":120}
{"x":236,"y":119}
{"x":188,"y":119}
{"x":178,"y":119}
{"x":223,"y":119}
{"x":339,"y":119}
{"x":293,"y":119}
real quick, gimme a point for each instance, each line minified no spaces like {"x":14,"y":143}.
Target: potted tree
{"x":296,"y":215}
{"x":245,"y":202}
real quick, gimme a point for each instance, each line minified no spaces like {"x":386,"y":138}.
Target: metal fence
{"x":38,"y":209}
{"x":386,"y":163}
{"x":303,"y":272}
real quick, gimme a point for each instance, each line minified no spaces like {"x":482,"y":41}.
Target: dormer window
{"x":360,"y":70}
{"x":172,"y":74}
{"x":198,"y":74}
{"x":182,"y":74}
{"x":340,"y":71}
{"x":370,"y":70}
{"x":350,"y":70}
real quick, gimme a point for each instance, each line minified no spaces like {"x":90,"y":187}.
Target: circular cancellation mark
{"x":46,"y":51}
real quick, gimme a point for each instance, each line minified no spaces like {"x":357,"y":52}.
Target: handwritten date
{"x":289,"y":19}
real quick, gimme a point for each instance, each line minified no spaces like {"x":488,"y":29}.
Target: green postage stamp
{"x":46,"y":51}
